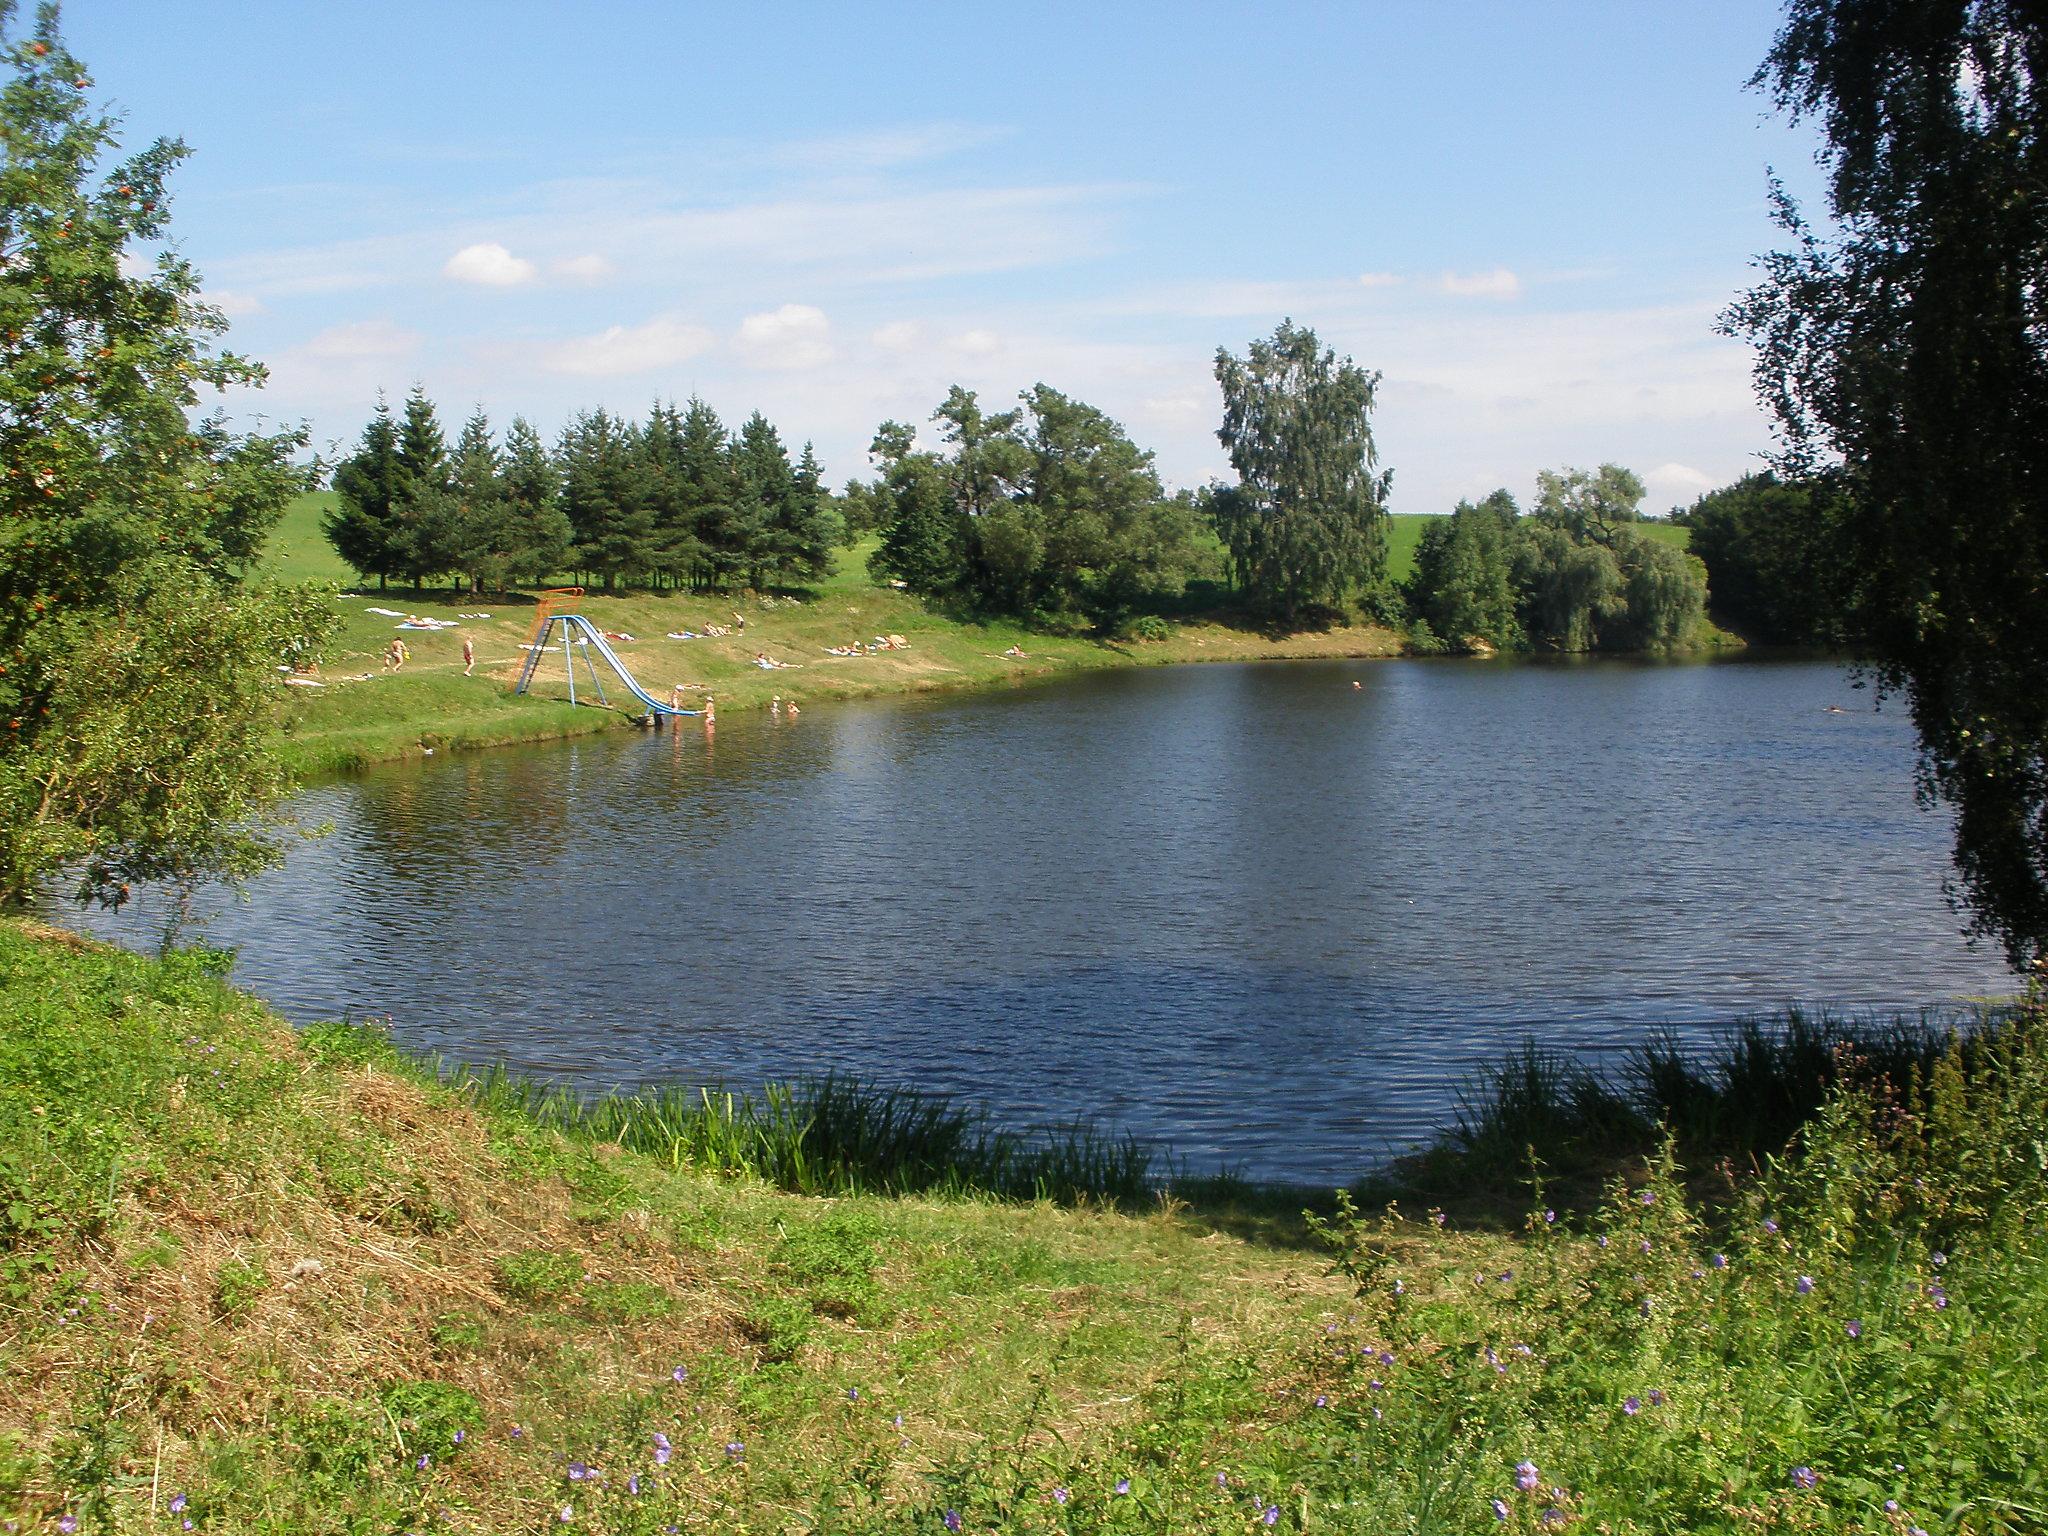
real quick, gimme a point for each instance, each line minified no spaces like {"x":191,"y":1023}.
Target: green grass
{"x":1404,"y":533}
{"x":309,"y":1287}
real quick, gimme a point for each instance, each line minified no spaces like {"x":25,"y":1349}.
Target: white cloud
{"x":592,"y":268}
{"x":490,"y":265}
{"x":1378,"y":279}
{"x":975,"y":343}
{"x":898,"y":336}
{"x":1500,"y":283}
{"x":1674,"y":484}
{"x":662,"y":342}
{"x":362,"y":339}
{"x":796,"y":336}
{"x":234,"y":305}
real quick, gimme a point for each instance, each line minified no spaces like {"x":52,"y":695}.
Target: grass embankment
{"x":362,"y":714}
{"x":266,"y":1282}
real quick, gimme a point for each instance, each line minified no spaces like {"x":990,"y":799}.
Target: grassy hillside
{"x":260,"y":1282}
{"x":1404,"y":532}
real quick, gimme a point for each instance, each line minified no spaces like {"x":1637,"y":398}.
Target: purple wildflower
{"x":1805,"y":1285}
{"x":565,"y":1514}
{"x":1940,"y":1297}
{"x":736,"y":1449}
{"x":458,"y":1437}
{"x":1500,"y":1509}
{"x":423,"y":1463}
{"x":1524,"y":1351}
{"x":1272,"y":1514}
{"x":186,"y":1524}
{"x":578,"y":1472}
{"x":1720,"y":1261}
{"x":952,"y":1519}
{"x":1805,"y":1477}
{"x":679,"y":1375}
{"x":1322,"y":1401}
{"x":1656,"y":1398}
{"x":1649,"y":1197}
{"x":178,"y":1502}
{"x":518,"y":1433}
{"x":899,"y":1421}
{"x":1552,"y":1516}
{"x":1376,"y":1385}
{"x":1222,"y":1481}
{"x":1059,"y":1495}
{"x":1123,"y":1485}
{"x":1601,"y":1239}
{"x":1891,"y":1506}
{"x":1770,"y":1225}
{"x":67,"y":1524}
{"x":1385,"y":1357}
{"x":1644,"y":1245}
{"x":1437,"y":1217}
{"x":633,"y":1483}
{"x":1854,"y":1328}
{"x":1632,"y":1405}
{"x":1526,"y":1476}
{"x":1506,"y":1274}
{"x":853,"y":1394}
{"x":1550,"y":1218}
{"x":1939,"y":1258}
{"x":1399,"y":1288}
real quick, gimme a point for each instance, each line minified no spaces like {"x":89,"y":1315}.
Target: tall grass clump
{"x":1857,"y":1348}
{"x":832,"y":1135}
{"x":1727,"y":1104}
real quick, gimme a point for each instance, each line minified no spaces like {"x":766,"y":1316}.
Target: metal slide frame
{"x":577,"y":630}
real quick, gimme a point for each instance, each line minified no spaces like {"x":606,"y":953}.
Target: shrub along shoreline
{"x":273,"y":1281}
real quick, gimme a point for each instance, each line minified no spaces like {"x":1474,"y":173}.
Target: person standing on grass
{"x":394,"y":655}
{"x":468,"y":654}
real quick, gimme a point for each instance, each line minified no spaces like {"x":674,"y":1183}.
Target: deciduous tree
{"x":138,"y":692}
{"x":1906,"y":345}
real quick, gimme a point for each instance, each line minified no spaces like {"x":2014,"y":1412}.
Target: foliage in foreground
{"x":295,"y":1289}
{"x":138,"y":699}
{"x":1906,"y":342}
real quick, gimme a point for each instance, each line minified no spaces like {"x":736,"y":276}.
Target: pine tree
{"x":425,"y":510}
{"x":364,"y":527}
{"x":540,"y":537}
{"x":708,"y":499}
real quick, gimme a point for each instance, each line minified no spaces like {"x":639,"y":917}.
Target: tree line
{"x":1576,"y":575}
{"x":676,"y":500}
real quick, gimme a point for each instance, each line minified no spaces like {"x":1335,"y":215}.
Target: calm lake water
{"x":1268,"y":918}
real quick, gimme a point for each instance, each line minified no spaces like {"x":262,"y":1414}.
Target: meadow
{"x":259,"y":1281}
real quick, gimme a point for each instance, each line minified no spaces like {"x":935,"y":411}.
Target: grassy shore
{"x":363,"y":714}
{"x":267,"y":1282}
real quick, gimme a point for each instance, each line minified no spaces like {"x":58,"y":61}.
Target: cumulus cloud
{"x":796,"y":336}
{"x":628,"y":349}
{"x":1672,"y":484}
{"x":976,"y":342}
{"x":362,"y":339}
{"x":1500,"y":283}
{"x":592,"y":268}
{"x":489,"y":265}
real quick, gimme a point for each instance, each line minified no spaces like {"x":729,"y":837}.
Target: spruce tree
{"x":539,"y":533}
{"x":364,"y":526}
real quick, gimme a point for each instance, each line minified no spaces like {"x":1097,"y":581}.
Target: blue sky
{"x":1525,"y":215}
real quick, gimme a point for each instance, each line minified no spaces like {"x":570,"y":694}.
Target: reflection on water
{"x":1272,"y":919}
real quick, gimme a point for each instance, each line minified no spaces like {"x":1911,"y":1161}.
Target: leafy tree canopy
{"x":1307,"y":522}
{"x":138,"y":694}
{"x":1904,"y":349}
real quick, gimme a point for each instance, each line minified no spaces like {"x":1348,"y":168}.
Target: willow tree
{"x":1904,"y":350}
{"x":138,"y":692}
{"x":1306,"y":524}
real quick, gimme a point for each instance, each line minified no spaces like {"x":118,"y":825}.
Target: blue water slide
{"x":577,"y":627}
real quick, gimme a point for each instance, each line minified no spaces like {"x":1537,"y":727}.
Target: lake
{"x":1271,"y":919}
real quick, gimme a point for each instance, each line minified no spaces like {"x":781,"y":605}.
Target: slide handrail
{"x":575,"y":625}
